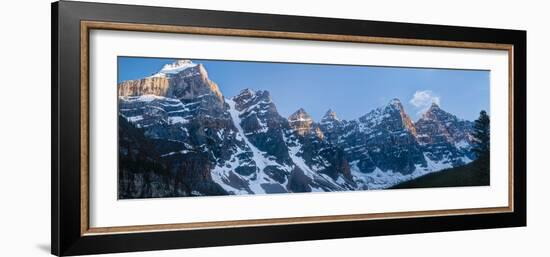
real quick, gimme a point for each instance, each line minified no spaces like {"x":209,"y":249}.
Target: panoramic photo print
{"x":192,"y":127}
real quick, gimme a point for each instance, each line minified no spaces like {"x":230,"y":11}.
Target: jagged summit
{"x":246,"y":92}
{"x":436,"y":113}
{"x":249,"y":96}
{"x":391,"y":116}
{"x":395,"y":104}
{"x":244,"y":96}
{"x":177,"y":66}
{"x":299,"y":114}
{"x":444,"y":136}
{"x":393,"y":107}
{"x":395,"y":101}
{"x":251,"y":93}
{"x":434,"y":107}
{"x":330,"y":116}
{"x":300,"y":121}
{"x":181,"y":79}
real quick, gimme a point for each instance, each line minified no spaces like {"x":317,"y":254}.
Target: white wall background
{"x":25,"y":127}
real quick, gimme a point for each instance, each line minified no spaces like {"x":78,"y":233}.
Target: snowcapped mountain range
{"x":180,"y":136}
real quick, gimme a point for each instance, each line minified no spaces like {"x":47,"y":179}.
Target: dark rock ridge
{"x":179,"y":136}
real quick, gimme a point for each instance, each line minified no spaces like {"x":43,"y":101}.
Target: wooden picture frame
{"x":71,"y":26}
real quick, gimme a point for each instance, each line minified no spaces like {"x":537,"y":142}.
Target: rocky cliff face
{"x":188,"y":139}
{"x":323,"y":161}
{"x":261,"y":123}
{"x":182,"y":80}
{"x":301,"y":122}
{"x":444,"y":137}
{"x":390,"y":139}
{"x":147,"y":86}
{"x":191,"y":83}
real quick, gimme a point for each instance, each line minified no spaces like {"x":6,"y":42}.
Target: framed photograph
{"x":177,"y":128}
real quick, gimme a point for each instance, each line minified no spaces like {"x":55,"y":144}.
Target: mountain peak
{"x":436,"y":113}
{"x":330,"y":113}
{"x":300,"y":115}
{"x":432,"y":112}
{"x":393,"y":112}
{"x":188,"y":80}
{"x":247,"y":93}
{"x":173,"y":80}
{"x":330,"y":116}
{"x":395,"y":101}
{"x":434,"y":106}
{"x":176,"y":67}
{"x":300,"y":121}
{"x":300,"y":112}
{"x":249,"y":97}
{"x":395,"y":104}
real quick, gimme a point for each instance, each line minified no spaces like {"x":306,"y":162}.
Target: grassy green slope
{"x":475,"y":173}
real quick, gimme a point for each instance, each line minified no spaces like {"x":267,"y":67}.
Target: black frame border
{"x":66,"y":235}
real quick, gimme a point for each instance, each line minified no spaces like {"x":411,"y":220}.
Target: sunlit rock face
{"x":147,"y":86}
{"x":182,"y":80}
{"x":301,"y":122}
{"x":191,"y":83}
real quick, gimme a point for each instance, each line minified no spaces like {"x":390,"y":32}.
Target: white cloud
{"x":422,"y":100}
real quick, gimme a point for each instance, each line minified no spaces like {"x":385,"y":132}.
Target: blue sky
{"x":351,"y":91}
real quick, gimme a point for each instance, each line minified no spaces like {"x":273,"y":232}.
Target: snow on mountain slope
{"x":320,"y":181}
{"x":379,"y":179}
{"x":147,"y":110}
{"x":260,"y":159}
{"x":174,"y":68}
